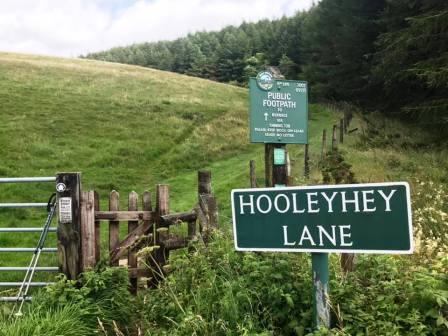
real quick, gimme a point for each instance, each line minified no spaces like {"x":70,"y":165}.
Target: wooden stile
{"x":145,"y":227}
{"x":114,"y":225}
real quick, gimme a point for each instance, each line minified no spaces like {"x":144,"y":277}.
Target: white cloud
{"x":73,"y":27}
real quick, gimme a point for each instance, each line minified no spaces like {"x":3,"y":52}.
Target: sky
{"x":71,"y":28}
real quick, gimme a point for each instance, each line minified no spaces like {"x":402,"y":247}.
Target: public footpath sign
{"x":278,"y":110}
{"x":352,"y":218}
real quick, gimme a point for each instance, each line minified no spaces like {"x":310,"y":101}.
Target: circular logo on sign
{"x":265,"y":80}
{"x":61,"y":187}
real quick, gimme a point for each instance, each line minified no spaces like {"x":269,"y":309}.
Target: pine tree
{"x":411,"y":61}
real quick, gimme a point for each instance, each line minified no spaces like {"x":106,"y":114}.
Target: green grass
{"x":129,"y":128}
{"x":125,"y":128}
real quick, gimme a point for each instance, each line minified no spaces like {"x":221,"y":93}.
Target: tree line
{"x":388,"y":55}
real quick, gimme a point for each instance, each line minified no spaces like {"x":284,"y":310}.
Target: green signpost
{"x":278,"y":110}
{"x":361,"y":218}
{"x":358,"y":218}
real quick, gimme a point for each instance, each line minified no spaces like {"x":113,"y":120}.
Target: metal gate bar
{"x":27,"y":249}
{"x":27,"y":179}
{"x":23,"y":205}
{"x":14,"y":298}
{"x":24,"y":269}
{"x":34,"y":229}
{"x":18,"y":284}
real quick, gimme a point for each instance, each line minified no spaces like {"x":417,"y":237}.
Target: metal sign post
{"x":279,"y":115}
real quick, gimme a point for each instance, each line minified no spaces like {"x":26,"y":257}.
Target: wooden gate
{"x":148,"y":231}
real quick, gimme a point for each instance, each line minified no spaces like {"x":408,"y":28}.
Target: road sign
{"x":278,"y":110}
{"x":352,"y":218}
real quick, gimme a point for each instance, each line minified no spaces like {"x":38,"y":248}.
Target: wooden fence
{"x":148,"y":227}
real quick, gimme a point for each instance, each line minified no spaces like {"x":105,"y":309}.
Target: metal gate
{"x":31,"y":250}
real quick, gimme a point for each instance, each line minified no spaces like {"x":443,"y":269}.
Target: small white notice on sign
{"x":65,"y":210}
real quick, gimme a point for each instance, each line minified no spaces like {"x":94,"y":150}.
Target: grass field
{"x":125,"y":128}
{"x":129,"y":128}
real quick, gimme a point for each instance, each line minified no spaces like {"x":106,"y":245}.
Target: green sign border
{"x":336,"y":186}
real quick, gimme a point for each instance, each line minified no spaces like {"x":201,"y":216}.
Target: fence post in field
{"x":207,"y":210}
{"x":333,"y":138}
{"x":341,"y":130}
{"x":204,"y":193}
{"x":68,"y":196}
{"x":306,"y":170}
{"x":324,"y":146}
{"x":345,"y":122}
{"x":253,"y":177}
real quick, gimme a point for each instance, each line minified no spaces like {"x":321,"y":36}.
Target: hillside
{"x":125,"y":128}
{"x":128,"y":128}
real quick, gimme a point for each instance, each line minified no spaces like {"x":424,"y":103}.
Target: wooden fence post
{"x":97,"y":230}
{"x":207,"y":209}
{"x":132,"y":225}
{"x":204,"y":182}
{"x":68,"y":197}
{"x":345,"y":122}
{"x":324,"y":146}
{"x":147,"y":205}
{"x":306,"y":169}
{"x":341,"y":130}
{"x":274,"y":174}
{"x":333,"y":138}
{"x":87,"y":237}
{"x":268,"y":166}
{"x":114,"y":226}
{"x":212,"y":212}
{"x":204,"y":190}
{"x":253,"y":177}
{"x":161,"y":254}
